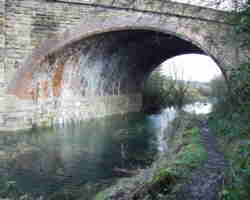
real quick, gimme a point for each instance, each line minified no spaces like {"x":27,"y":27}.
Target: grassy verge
{"x":186,"y":153}
{"x":234,"y":138}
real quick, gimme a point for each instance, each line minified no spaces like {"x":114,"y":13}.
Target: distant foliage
{"x":156,"y":93}
{"x":161,"y":91}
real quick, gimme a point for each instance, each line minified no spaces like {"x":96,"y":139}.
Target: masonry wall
{"x":2,"y":46}
{"x":27,"y":23}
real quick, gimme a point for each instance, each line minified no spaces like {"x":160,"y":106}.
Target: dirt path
{"x":206,"y":182}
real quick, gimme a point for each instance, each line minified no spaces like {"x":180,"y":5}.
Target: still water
{"x":42,"y":162}
{"x":199,"y":108}
{"x":161,"y":122}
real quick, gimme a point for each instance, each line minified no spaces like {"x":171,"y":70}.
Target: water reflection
{"x":199,"y":108}
{"x":43,"y":161}
{"x":161,"y":122}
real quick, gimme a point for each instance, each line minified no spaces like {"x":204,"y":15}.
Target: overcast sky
{"x":192,"y":67}
{"x":225,"y":4}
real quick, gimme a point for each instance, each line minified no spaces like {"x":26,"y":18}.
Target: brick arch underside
{"x":111,"y":63}
{"x":118,"y":52}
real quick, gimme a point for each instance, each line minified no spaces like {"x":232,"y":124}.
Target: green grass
{"x":234,"y":139}
{"x":187,"y":154}
{"x":193,"y":153}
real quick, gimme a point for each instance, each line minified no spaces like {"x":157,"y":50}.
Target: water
{"x":161,"y":122}
{"x":44,"y":161}
{"x":199,"y":108}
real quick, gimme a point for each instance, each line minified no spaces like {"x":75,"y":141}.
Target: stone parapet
{"x":156,"y":6}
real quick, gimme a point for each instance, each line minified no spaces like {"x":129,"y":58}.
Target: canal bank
{"x":173,"y":167}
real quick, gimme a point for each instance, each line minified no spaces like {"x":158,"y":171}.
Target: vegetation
{"x":187,"y":154}
{"x":231,"y":114}
{"x":230,"y":120}
{"x":162,"y":91}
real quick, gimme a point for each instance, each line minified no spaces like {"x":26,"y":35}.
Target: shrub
{"x":161,"y":91}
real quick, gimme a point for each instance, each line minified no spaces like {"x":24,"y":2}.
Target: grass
{"x":186,"y":154}
{"x":234,"y":139}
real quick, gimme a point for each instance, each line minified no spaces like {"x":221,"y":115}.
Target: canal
{"x":45,"y":162}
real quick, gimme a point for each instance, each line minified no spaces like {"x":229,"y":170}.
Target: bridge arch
{"x":108,"y":57}
{"x":201,"y":34}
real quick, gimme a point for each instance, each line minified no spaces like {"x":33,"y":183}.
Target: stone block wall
{"x":25,"y":24}
{"x":77,"y":109}
{"x":29,"y":22}
{"x":2,"y":47}
{"x":157,"y":6}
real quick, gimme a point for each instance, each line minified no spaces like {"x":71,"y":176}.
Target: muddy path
{"x":206,"y":182}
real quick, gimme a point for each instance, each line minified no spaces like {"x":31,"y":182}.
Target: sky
{"x":195,"y":67}
{"x":225,"y":4}
{"x":192,"y":67}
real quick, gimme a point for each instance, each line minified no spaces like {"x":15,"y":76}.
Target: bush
{"x":161,"y":91}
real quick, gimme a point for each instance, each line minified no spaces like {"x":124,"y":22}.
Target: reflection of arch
{"x":97,"y":27}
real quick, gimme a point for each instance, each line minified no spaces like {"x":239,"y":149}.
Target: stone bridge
{"x":69,"y":60}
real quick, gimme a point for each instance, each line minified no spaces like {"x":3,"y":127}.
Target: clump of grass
{"x":193,"y":152}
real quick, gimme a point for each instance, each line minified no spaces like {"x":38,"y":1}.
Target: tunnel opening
{"x":182,"y":81}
